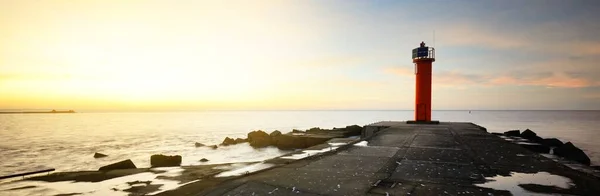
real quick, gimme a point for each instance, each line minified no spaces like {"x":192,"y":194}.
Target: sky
{"x":159,"y":55}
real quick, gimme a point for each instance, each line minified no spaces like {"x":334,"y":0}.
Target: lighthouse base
{"x":433,"y":122}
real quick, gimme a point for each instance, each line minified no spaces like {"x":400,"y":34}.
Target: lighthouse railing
{"x":423,"y":53}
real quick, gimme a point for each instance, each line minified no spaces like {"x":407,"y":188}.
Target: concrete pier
{"x":414,"y":159}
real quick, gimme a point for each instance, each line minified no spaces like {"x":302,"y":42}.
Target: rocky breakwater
{"x":296,"y":139}
{"x":530,"y":140}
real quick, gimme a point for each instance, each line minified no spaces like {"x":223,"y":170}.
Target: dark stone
{"x":536,"y":148}
{"x":213,"y":147}
{"x":198,"y":144}
{"x":353,"y":130}
{"x":159,"y":160}
{"x":228,"y":141}
{"x":289,"y":142}
{"x":513,"y":133}
{"x":313,"y":141}
{"x":259,"y":139}
{"x":536,"y":139}
{"x":297,"y":131}
{"x":347,"y":131}
{"x":203,"y":160}
{"x":274,"y":136}
{"x":316,"y":130}
{"x":126,"y":164}
{"x":99,"y":155}
{"x":552,"y":142}
{"x":275,"y":133}
{"x":528,"y":134}
{"x":240,"y":140}
{"x":571,"y":152}
{"x":497,"y":133}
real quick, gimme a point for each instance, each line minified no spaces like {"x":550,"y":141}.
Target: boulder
{"x":536,"y":148}
{"x":552,"y":142}
{"x":297,"y":131}
{"x":99,"y":155}
{"x":240,"y":140}
{"x":536,"y":139}
{"x":571,"y":152}
{"x":316,"y":140}
{"x":159,"y":160}
{"x":274,"y":136}
{"x":203,"y":160}
{"x":315,"y":130}
{"x":275,"y":133}
{"x":259,"y":139}
{"x":198,"y":144}
{"x":126,"y":164}
{"x":213,"y":147}
{"x":260,"y":142}
{"x":353,"y":130}
{"x":347,"y":131}
{"x":528,"y":134}
{"x":228,"y":141}
{"x":256,"y":135}
{"x":289,"y":142}
{"x":513,"y":133}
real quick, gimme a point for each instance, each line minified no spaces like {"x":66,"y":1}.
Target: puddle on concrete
{"x":114,"y":186}
{"x":232,"y":166}
{"x":550,"y":156}
{"x":337,"y":144}
{"x":583,"y":168}
{"x":511,"y":183}
{"x":308,"y":153}
{"x":513,"y":139}
{"x":528,"y":143}
{"x":169,"y":171}
{"x":361,"y":143}
{"x":239,"y":170}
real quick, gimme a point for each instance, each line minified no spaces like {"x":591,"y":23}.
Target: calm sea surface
{"x":67,"y":142}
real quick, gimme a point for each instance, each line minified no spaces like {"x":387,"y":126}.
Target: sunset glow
{"x":197,"y":55}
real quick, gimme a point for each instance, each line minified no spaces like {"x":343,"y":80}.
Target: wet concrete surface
{"x":418,"y":159}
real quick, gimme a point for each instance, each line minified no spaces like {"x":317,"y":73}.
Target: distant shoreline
{"x":41,"y":112}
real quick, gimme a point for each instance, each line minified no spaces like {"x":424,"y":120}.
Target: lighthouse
{"x":423,"y":57}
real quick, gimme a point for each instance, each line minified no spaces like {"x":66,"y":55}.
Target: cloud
{"x":546,"y":79}
{"x":552,"y":38}
{"x":400,"y":70}
{"x":594,"y":95}
{"x":555,"y":80}
{"x":474,"y":35}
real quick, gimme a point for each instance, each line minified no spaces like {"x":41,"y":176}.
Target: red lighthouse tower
{"x":423,"y":57}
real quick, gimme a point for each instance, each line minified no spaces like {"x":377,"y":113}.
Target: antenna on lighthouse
{"x":434,"y":38}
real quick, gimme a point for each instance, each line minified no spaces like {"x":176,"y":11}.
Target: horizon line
{"x":290,"y":110}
